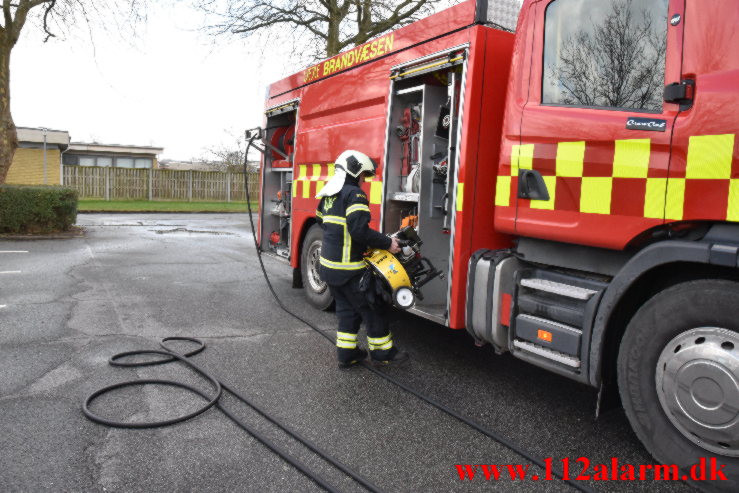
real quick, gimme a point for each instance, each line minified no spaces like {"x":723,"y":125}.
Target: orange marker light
{"x":544,"y":335}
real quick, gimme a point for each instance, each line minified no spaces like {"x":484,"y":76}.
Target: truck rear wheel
{"x":678,"y":374}
{"x":315,"y":289}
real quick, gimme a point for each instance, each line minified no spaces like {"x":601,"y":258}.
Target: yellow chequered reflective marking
{"x":551,"y":183}
{"x":632,"y":158}
{"x":316,"y":172}
{"x":375,"y":192}
{"x":331,"y":169}
{"x":503,"y":191}
{"x":570,"y":158}
{"x":675,"y":199}
{"x":302,"y":177}
{"x":732,"y":213}
{"x":460,"y":196}
{"x":709,"y":157}
{"x":595,"y":195}
{"x":522,"y":157}
{"x":654,"y":202}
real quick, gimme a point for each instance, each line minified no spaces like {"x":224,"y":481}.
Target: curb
{"x":76,"y":233}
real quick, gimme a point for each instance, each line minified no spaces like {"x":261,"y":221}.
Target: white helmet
{"x":353,"y":163}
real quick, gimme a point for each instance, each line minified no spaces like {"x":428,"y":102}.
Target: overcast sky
{"x":171,"y":87}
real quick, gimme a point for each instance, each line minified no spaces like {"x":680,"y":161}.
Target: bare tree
{"x":615,"y":63}
{"x":229,"y":156}
{"x":51,"y":16}
{"x":330,"y":25}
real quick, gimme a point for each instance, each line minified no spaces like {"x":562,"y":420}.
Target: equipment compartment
{"x":277,"y":177}
{"x":420,"y":159}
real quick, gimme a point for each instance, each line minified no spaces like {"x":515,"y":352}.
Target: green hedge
{"x":37,"y":209}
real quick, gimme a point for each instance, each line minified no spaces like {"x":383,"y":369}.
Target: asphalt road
{"x":67,"y":305}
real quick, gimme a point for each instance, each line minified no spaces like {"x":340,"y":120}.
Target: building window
{"x":124,"y":162}
{"x":605,"y":53}
{"x":143,"y":163}
{"x":70,"y":160}
{"x":87,"y":161}
{"x":105,"y":161}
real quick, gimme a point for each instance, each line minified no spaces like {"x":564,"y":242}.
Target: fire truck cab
{"x":572,"y":167}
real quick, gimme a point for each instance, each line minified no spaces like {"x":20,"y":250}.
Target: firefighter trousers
{"x":351,"y":309}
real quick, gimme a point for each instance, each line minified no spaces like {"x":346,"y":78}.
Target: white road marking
{"x":10,"y":272}
{"x":13,"y":251}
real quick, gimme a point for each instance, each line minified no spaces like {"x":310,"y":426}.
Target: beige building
{"x":112,"y":155}
{"x":38,"y":159}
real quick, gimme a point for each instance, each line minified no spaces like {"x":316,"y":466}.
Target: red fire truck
{"x":572,"y":167}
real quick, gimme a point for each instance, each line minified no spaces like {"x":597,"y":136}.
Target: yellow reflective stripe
{"x":595,"y":195}
{"x":319,"y":213}
{"x":334,"y":220}
{"x":710,"y":156}
{"x":302,"y":171}
{"x":346,"y":255}
{"x":522,"y":157}
{"x":570,"y":159}
{"x":551,"y":184}
{"x":382,"y":347}
{"x":375,"y":192}
{"x":632,"y":158}
{"x":347,"y":336}
{"x":380,"y":340}
{"x":346,"y":345}
{"x":503,"y":191}
{"x":331,"y":169}
{"x":357,"y":208}
{"x":460,"y":196}
{"x":343,"y":265}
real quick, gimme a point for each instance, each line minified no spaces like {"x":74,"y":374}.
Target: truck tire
{"x":315,"y":289}
{"x":678,"y":374}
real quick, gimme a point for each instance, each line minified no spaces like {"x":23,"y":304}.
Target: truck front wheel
{"x":315,"y":289}
{"x":678,"y":374}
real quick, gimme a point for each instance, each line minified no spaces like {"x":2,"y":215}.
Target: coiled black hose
{"x":218,"y":385}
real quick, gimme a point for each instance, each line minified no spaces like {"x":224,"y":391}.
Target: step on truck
{"x":573,"y":169}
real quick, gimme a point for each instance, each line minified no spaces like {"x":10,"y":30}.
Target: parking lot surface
{"x":67,"y":305}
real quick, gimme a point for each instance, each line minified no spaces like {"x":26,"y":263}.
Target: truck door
{"x":594,"y":156}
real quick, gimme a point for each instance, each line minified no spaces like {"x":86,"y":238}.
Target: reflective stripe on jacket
{"x":345,"y":219}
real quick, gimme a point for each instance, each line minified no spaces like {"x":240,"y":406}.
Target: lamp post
{"x":46,"y":179}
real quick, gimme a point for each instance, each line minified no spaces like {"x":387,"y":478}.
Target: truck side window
{"x":605,"y":53}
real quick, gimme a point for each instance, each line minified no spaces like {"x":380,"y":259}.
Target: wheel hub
{"x":314,"y":263}
{"x":698,"y":387}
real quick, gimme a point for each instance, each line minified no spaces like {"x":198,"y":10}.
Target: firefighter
{"x":344,"y":215}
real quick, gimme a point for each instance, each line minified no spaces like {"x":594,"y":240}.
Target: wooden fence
{"x":159,"y":184}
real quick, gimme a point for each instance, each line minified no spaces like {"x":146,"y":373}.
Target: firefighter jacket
{"x":345,"y":219}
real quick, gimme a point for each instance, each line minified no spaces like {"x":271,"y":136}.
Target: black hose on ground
{"x":213,"y":400}
{"x":489,"y":433}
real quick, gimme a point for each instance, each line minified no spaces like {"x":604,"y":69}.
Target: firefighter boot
{"x":389,"y":357}
{"x":350,"y":357}
{"x":383,"y":351}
